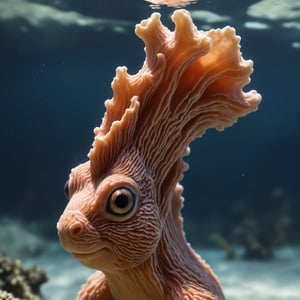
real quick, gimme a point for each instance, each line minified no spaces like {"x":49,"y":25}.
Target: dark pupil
{"x":121,"y":201}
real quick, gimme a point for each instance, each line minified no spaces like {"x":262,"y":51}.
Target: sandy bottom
{"x":241,"y":280}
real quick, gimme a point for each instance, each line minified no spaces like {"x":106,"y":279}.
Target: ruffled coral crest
{"x":191,"y":80}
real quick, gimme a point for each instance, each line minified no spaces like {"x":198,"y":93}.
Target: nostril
{"x":76,"y":229}
{"x":72,"y":228}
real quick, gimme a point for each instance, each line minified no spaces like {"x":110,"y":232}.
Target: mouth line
{"x":87,"y":255}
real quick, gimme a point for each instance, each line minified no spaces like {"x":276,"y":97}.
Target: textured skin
{"x":191,"y":80}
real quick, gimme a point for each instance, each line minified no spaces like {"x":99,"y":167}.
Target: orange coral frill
{"x":191,"y":80}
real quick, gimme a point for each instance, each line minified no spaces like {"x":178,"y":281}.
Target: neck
{"x":135,"y":284}
{"x":183,"y":271}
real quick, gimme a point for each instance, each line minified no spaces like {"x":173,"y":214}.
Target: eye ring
{"x":121,"y":202}
{"x":66,"y":189}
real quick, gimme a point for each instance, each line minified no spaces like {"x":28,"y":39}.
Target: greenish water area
{"x":242,"y":192}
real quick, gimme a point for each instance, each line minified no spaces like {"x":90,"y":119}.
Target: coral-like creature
{"x":18,"y":282}
{"x":123,"y":216}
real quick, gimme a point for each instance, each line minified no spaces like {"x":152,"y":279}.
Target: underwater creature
{"x":123,"y":215}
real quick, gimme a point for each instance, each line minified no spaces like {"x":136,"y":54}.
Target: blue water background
{"x":54,"y":79}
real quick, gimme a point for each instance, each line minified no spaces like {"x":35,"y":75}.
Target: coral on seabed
{"x":6,"y":296}
{"x":259,"y":228}
{"x":18,"y":282}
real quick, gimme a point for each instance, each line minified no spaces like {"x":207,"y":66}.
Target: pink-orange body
{"x":123,"y":218}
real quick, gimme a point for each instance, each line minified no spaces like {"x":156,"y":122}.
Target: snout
{"x":75,"y":232}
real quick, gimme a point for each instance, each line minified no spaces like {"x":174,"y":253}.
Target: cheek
{"x":137,"y":238}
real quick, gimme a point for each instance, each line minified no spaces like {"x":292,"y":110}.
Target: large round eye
{"x":66,"y":189}
{"x":121,"y":202}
